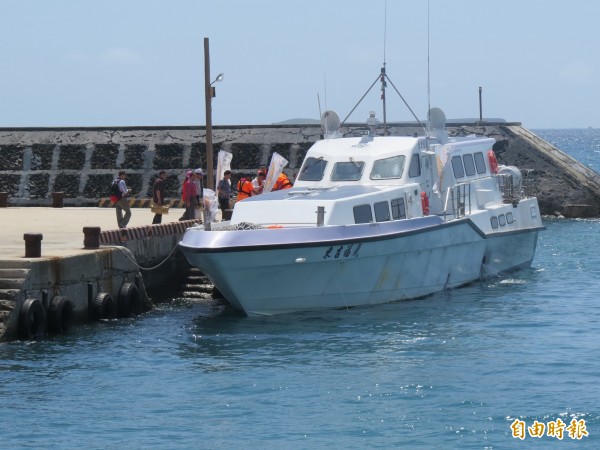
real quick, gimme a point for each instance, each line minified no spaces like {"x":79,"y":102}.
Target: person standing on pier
{"x":189,"y":193}
{"x":158,"y":195}
{"x":122,"y":204}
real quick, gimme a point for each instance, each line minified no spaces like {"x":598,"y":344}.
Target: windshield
{"x":313,"y":169}
{"x":347,"y":171}
{"x":384,"y":169}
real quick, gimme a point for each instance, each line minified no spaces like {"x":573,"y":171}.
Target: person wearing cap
{"x":122,"y":204}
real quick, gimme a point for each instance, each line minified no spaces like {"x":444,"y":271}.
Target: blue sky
{"x":141,"y":62}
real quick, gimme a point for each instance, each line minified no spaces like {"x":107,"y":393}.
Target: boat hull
{"x":287,"y":270}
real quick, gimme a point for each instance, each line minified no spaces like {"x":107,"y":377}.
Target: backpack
{"x":115,"y":193}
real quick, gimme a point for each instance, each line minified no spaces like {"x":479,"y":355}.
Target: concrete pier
{"x":63,"y":269}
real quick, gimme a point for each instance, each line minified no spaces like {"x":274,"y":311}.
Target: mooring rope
{"x":149,"y":268}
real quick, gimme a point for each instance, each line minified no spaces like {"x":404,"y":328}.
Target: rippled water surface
{"x":453,"y":370}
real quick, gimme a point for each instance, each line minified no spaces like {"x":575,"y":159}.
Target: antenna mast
{"x":383,"y":75}
{"x":428,"y":78}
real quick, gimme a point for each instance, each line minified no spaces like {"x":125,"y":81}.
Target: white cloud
{"x":578,"y":72}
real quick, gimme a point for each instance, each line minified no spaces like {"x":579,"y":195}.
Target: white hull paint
{"x":265,"y":281}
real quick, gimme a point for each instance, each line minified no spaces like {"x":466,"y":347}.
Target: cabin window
{"x":479,"y":162}
{"x":363,"y":214}
{"x":494,"y":222}
{"x":502,"y":220}
{"x":347,"y":171}
{"x":398,"y":209}
{"x":457,"y":167}
{"x":509,"y":217}
{"x":382,"y":211}
{"x":469,"y":164}
{"x":415,"y":167}
{"x":388,"y":168}
{"x":313,"y":169}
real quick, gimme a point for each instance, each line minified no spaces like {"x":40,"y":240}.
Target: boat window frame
{"x":509,"y":217}
{"x":457,"y":163}
{"x":494,"y":222}
{"x":414,"y":168}
{"x":469,"y":164}
{"x":307,"y":164}
{"x":362,"y":209}
{"x":479,"y":162}
{"x":398,"y":207}
{"x":386,"y":162}
{"x":378,"y":207}
{"x":502,"y":220}
{"x":361,"y":165}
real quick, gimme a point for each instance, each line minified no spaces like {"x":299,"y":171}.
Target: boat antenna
{"x":428,"y":77}
{"x":383,"y":85}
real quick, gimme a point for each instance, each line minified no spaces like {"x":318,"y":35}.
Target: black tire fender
{"x":104,"y":306}
{"x":129,"y":300}
{"x":32,"y":319}
{"x":60,"y":314}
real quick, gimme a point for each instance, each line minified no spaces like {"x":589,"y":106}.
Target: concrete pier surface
{"x":49,"y":283}
{"x":62,"y":228}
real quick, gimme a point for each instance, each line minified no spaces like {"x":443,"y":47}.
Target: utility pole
{"x":208,"y":95}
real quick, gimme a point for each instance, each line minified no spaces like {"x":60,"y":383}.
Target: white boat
{"x":371,"y":220}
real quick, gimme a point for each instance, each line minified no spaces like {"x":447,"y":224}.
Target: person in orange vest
{"x":245,"y":189}
{"x":282,"y":182}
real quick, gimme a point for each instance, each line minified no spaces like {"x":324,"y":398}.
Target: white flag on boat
{"x":278,"y":162}
{"x":443,"y":155}
{"x":223,"y":164}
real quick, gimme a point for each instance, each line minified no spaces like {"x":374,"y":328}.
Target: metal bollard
{"x":33,"y":245}
{"x":91,"y":237}
{"x":57,"y":199}
{"x":3,"y":199}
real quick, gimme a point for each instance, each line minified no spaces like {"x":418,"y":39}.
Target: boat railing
{"x":458,"y":201}
{"x":514,"y":189}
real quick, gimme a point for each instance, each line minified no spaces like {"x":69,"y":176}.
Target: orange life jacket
{"x":282,"y":182}
{"x":244,"y":188}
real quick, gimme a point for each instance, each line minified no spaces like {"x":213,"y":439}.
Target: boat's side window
{"x":398,"y":209}
{"x":457,"y":167}
{"x":382,"y":211}
{"x":494,"y":222}
{"x":313,"y":169}
{"x":415,"y":166}
{"x":347,"y":171}
{"x":479,"y":162}
{"x":509,"y":217}
{"x":469,"y":164}
{"x":385,"y":169}
{"x":502,"y":220}
{"x":363,"y":214}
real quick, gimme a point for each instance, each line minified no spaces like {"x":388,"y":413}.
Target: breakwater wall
{"x":82,"y":162}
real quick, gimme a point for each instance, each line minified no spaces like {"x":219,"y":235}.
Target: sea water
{"x":470,"y":368}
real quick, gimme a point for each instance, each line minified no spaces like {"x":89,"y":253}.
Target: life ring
{"x":104,"y":306}
{"x":60,"y":313}
{"x":425,"y":203}
{"x":129,"y":300}
{"x":32,"y":319}
{"x":493,"y":162}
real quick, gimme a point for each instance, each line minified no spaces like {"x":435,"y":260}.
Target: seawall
{"x":81,"y":162}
